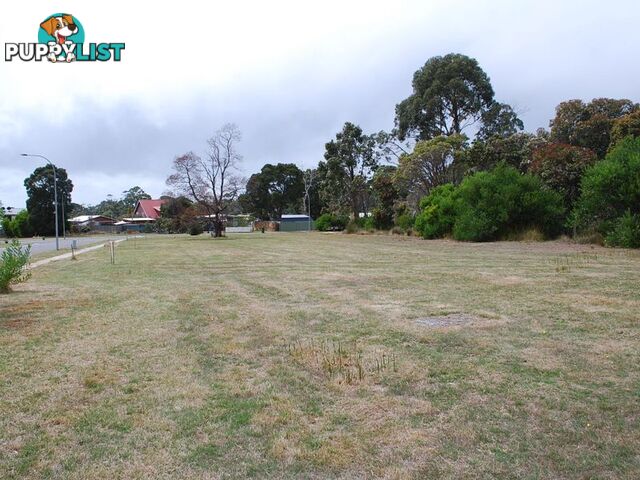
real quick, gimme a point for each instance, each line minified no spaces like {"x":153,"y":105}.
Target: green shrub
{"x":324,"y":222}
{"x":22,"y":225}
{"x":149,"y":228}
{"x":492,"y":205}
{"x":625,"y":232}
{"x":166,"y":225}
{"x":610,"y":189}
{"x":370,"y":224}
{"x":19,"y":226}
{"x":7,"y":227}
{"x":340,"y":222}
{"x":438,"y":212}
{"x":405,"y":221}
{"x":476,"y":226}
{"x":13,"y":263}
{"x":362,"y":223}
{"x":195,"y":229}
{"x":328,"y":222}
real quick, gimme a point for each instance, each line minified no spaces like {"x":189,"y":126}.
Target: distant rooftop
{"x":86,"y":218}
{"x":11,"y":211}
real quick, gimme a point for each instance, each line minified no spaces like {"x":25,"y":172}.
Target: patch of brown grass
{"x":173,"y":362}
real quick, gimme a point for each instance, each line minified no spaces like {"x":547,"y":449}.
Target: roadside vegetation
{"x":14,"y":260}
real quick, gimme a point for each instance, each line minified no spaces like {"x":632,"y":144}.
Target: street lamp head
{"x":24,"y":154}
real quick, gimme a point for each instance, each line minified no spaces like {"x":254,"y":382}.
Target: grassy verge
{"x":201,"y":358}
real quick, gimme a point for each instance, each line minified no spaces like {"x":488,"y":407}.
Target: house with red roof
{"x":148,"y":210}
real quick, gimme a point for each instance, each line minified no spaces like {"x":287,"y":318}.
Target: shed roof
{"x":87,"y":218}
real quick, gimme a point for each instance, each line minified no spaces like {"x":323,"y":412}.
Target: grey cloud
{"x":535,"y":58}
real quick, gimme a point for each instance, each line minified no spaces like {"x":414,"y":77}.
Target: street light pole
{"x":64,"y":226}
{"x":55,"y":192}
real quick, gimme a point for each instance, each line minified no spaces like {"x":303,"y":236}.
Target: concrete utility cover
{"x":446,"y":320}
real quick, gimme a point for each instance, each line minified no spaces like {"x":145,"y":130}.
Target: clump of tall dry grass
{"x":341,"y":361}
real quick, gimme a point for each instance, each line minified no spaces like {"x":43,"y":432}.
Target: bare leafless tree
{"x":390,"y":149}
{"x":429,"y":165}
{"x":212,"y":182}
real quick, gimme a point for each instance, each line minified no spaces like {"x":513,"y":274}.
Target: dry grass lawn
{"x":324,"y":355}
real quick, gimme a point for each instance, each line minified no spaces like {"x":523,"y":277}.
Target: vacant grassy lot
{"x":324,"y":355}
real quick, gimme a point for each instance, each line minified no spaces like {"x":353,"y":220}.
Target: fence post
{"x":113,"y":251}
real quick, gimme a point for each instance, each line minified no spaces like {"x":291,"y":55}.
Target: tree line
{"x":39,"y":219}
{"x":457,"y":163}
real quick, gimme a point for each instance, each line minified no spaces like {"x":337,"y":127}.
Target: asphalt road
{"x":49,"y":244}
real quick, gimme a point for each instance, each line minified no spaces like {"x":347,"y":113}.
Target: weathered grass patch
{"x":193,"y":358}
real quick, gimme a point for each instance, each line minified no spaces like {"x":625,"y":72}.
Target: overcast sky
{"x":288,"y":73}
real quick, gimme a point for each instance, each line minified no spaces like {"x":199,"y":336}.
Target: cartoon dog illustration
{"x":60,"y":28}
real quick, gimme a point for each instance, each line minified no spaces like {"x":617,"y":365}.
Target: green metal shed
{"x":295,"y":223}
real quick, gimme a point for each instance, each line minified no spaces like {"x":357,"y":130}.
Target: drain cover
{"x":445,"y":320}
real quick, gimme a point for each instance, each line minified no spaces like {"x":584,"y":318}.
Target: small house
{"x":148,"y":209}
{"x":11,"y":212}
{"x":91,"y":220}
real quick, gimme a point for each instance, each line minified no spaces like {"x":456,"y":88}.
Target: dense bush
{"x":561,"y":167}
{"x":18,"y":227}
{"x":341,"y":222}
{"x":623,"y":127}
{"x":6,"y":227}
{"x":324,"y":221}
{"x":610,"y":190}
{"x":150,"y":228}
{"x":328,"y":222}
{"x":438,"y":212}
{"x":490,"y":206}
{"x":195,"y":229}
{"x":380,"y":219}
{"x":13,"y":263}
{"x":625,"y":232}
{"x":167,"y":225}
{"x":405,"y":221}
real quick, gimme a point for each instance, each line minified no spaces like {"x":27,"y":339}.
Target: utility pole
{"x":55,"y":192}
{"x":64,"y":227}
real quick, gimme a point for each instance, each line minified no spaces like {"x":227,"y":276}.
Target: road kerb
{"x":65,"y":256}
